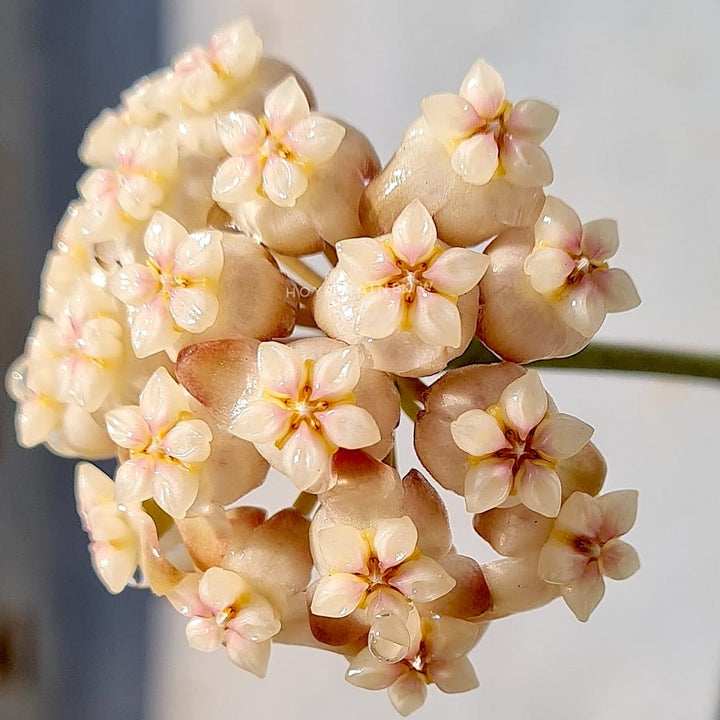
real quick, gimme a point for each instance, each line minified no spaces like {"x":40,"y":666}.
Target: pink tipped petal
{"x":560,"y":562}
{"x":338,"y":595}
{"x":344,"y":549}
{"x":193,"y":309}
{"x":525,"y":163}
{"x":204,"y":634}
{"x":422,"y":580}
{"x":413,"y":234}
{"x":457,"y":271}
{"x":539,"y":488}
{"x":133,"y":480}
{"x":162,"y":236}
{"x":380,"y":312}
{"x":450,"y":117}
{"x":478,"y":433}
{"x":189,"y":441}
{"x":484,"y":88}
{"x":548,"y":269}
{"x":532,"y":120}
{"x":240,"y":133}
{"x":488,"y":484}
{"x":174,"y":488}
{"x":251,"y":656}
{"x":261,"y":422}
{"x":127,"y":428}
{"x":237,"y":180}
{"x":454,"y":676}
{"x":315,"y":139}
{"x":162,"y":401}
{"x":619,"y":510}
{"x":220,"y":589}
{"x":134,"y":284}
{"x":285,"y":105}
{"x":255,"y":619}
{"x":475,"y":160}
{"x":600,"y":240}
{"x":561,"y":436}
{"x":280,"y":368}
{"x":582,"y":307}
{"x":584,"y":594}
{"x":151,"y":329}
{"x":349,"y":426}
{"x":283,"y":181}
{"x":524,"y":403}
{"x":408,"y":693}
{"x":368,"y":672}
{"x":200,"y":256}
{"x":617,"y":288}
{"x":306,"y":457}
{"x":581,"y":516}
{"x":366,"y":261}
{"x":435,"y":320}
{"x":558,"y":227}
{"x":395,"y":540}
{"x":336,"y":374}
{"x":618,"y":560}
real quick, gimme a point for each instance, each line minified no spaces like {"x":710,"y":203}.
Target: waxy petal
{"x":189,"y":441}
{"x":560,"y":562}
{"x":561,"y":436}
{"x":237,"y":180}
{"x":619,"y":510}
{"x":281,"y":369}
{"x":617,"y":288}
{"x":413,"y":234}
{"x":194,"y":309}
{"x":163,"y":235}
{"x":582,"y":307}
{"x":240,"y":133}
{"x":380,"y":312}
{"x":548,"y":269}
{"x":524,"y":403}
{"x":457,"y":271}
{"x":128,"y":428}
{"x":422,"y":580}
{"x":349,"y":426}
{"x":200,"y":257}
{"x":344,"y":549}
{"x":600,"y":240}
{"x":315,"y":139}
{"x":255,"y":619}
{"x":220,"y":589}
{"x":532,"y":120}
{"x":368,"y":672}
{"x":204,"y":634}
{"x":306,"y":458}
{"x":450,"y":117}
{"x":618,"y":560}
{"x":174,"y":488}
{"x":538,"y":488}
{"x":558,"y":227}
{"x":236,"y":49}
{"x":584,"y":594}
{"x":134,"y":480}
{"x":408,"y":693}
{"x":261,"y":422}
{"x":484,"y":88}
{"x":338,"y":595}
{"x":394,"y":541}
{"x":454,"y":676}
{"x":285,"y":105}
{"x":366,"y":261}
{"x":283,"y":181}
{"x":476,"y":159}
{"x":336,"y":374}
{"x":488,"y":484}
{"x":525,"y":163}
{"x":251,"y":656}
{"x":478,"y":433}
{"x":389,"y":638}
{"x":162,"y":401}
{"x":581,"y":516}
{"x":135,"y":284}
{"x":151,"y":329}
{"x":435,"y":320}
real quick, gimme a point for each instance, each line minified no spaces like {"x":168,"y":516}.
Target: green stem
{"x":305,"y":504}
{"x":411,"y":391}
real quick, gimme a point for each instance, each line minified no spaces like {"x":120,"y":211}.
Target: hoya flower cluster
{"x":181,"y":334}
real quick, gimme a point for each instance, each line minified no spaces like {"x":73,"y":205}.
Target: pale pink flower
{"x":236,"y":50}
{"x":276,"y":153}
{"x":224,"y":609}
{"x":307,"y":410}
{"x":438,"y":655}
{"x":486,"y":136}
{"x":175,"y":291}
{"x":382,"y":571}
{"x":514,"y":447}
{"x":410,"y":280}
{"x":114,"y":544}
{"x":166,"y":444}
{"x":569,"y":267}
{"x":585,"y":545}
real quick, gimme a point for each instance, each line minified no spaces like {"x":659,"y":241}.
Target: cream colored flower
{"x":514,"y":447}
{"x":568,"y":266}
{"x":224,"y":609}
{"x":585,"y":545}
{"x":276,"y":153}
{"x":175,"y":291}
{"x":166,"y":444}
{"x":486,"y":136}
{"x":410,"y":280}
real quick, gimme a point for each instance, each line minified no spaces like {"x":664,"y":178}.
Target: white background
{"x":637,"y":140}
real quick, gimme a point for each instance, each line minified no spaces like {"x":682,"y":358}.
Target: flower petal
{"x":581,"y":516}
{"x":484,"y":88}
{"x":450,"y":117}
{"x":380,"y":312}
{"x":524,"y":403}
{"x":174,"y":488}
{"x":281,"y":369}
{"x":457,"y":271}
{"x":582,"y":307}
{"x":237,"y":180}
{"x":617,"y":288}
{"x":151,"y":328}
{"x":619,"y":510}
{"x":478,"y":433}
{"x":558,"y":227}
{"x":162,"y":401}
{"x":561,"y":436}
{"x":394,"y":541}
{"x":488,"y":484}
{"x":283,"y":181}
{"x":251,"y":656}
{"x":435,"y":319}
{"x":285,"y":105}
{"x":200,"y":256}
{"x":193,"y":309}
{"x":134,"y":284}
{"x":584,"y":594}
{"x":338,"y":595}
{"x":344,"y":549}
{"x":349,"y":426}
{"x":408,"y":693}
{"x":476,"y":159}
{"x":538,"y":488}
{"x":600,"y":239}
{"x":133,"y":480}
{"x":548,"y":269}
{"x":336,"y":374}
{"x":560,"y":562}
{"x":306,"y":458}
{"x":388,"y":638}
{"x":261,"y":422}
{"x":618,"y":559}
{"x":128,"y":428}
{"x":525,"y":163}
{"x":162,"y":237}
{"x":220,"y":589}
{"x":368,"y":672}
{"x":454,"y":676}
{"x":532,"y":120}
{"x":413,"y":234}
{"x":315,"y":139}
{"x":366,"y":261}
{"x":255,"y":619}
{"x":204,"y":634}
{"x":422,"y":580}
{"x":189,"y":441}
{"x":240,"y":133}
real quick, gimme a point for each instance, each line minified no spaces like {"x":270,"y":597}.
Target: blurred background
{"x":636,"y":84}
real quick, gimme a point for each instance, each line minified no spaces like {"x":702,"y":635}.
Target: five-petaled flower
{"x":568,"y":266}
{"x":276,"y":153}
{"x":166,"y":444}
{"x":411,"y":280}
{"x":175,"y":291}
{"x":585,"y":545}
{"x":224,"y":609}
{"x":486,"y":136}
{"x":514,"y":447}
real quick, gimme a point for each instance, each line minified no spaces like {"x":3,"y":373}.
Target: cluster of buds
{"x":181,"y":335}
